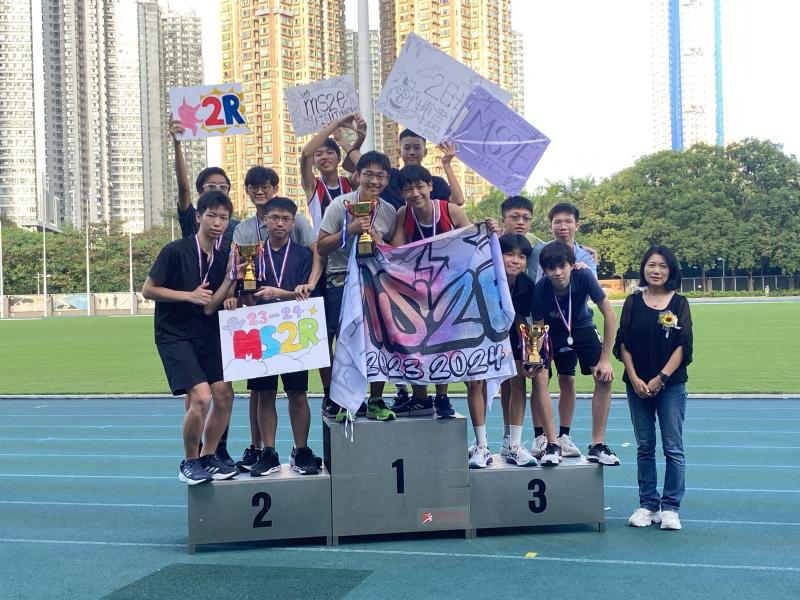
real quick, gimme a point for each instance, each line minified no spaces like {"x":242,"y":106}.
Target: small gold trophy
{"x":249,"y":284}
{"x":531,"y":336}
{"x":364,"y":245}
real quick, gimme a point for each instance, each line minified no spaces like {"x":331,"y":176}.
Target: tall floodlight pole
{"x":44,"y":255}
{"x":365,"y":74}
{"x":88,"y":282}
{"x":130,"y":269}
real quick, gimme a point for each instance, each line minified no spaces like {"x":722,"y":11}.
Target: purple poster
{"x":496,"y":142}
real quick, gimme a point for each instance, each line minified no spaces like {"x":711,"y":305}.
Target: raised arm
{"x":181,"y":174}
{"x":352,"y":151}
{"x":448,"y":149}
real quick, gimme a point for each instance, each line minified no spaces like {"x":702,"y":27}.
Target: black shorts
{"x":516,"y":349}
{"x":333,"y":304}
{"x":292,"y":382}
{"x":586,"y":348}
{"x":189,"y":362}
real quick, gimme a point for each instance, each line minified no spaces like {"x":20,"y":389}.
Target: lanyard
{"x":433,"y":215}
{"x":279,"y":280}
{"x":203,"y":278}
{"x":568,"y":321}
{"x":328,"y":191}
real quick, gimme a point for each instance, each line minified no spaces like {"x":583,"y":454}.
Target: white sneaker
{"x":643,"y":517}
{"x":505,"y":445}
{"x":518,"y":455}
{"x":568,"y":448}
{"x":551,"y":456}
{"x":538,"y":446}
{"x":670,"y":520}
{"x":479,"y":457}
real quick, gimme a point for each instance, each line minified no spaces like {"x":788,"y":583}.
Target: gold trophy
{"x":531,"y":336}
{"x":364,"y":245}
{"x":248,"y":284}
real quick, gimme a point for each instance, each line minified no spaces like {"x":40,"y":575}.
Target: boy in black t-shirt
{"x":560,"y":301}
{"x":287,"y":266}
{"x":188,"y":283}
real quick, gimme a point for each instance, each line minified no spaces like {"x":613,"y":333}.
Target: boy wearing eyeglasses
{"x":372,"y":172}
{"x":287,"y":265}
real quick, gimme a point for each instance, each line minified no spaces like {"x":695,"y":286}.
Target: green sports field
{"x":739,"y":348}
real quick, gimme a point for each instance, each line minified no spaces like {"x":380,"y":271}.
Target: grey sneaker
{"x":568,"y":448}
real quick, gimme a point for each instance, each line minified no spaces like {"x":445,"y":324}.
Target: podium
{"x":402,"y":476}
{"x":397,"y":476}
{"x":504,"y":495}
{"x":283,"y":505}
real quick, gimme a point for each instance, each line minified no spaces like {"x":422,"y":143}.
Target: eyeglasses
{"x":523,"y":218}
{"x":222,"y":187}
{"x":260,"y":188}
{"x":368,"y":175}
{"x":279,"y":219}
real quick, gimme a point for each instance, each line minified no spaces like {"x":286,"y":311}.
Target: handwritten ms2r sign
{"x":209,"y":110}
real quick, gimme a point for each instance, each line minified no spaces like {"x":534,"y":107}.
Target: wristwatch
{"x":663,"y":377}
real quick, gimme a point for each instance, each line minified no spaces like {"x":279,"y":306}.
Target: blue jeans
{"x":670,"y":406}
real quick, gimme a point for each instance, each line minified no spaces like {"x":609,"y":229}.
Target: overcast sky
{"x":587,"y":83}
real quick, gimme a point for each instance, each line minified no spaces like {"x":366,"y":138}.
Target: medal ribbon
{"x":203,"y":278}
{"x":278,"y":280}
{"x":567,"y":322}
{"x":433,"y":213}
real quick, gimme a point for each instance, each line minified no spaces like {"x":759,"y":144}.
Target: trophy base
{"x":526,"y":364}
{"x":365,"y":249}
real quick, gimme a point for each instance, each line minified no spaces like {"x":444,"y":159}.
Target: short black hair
{"x":259,"y":175}
{"x":516,"y":202}
{"x":373,"y":157}
{"x":515,"y":241}
{"x":564,"y":207}
{"x":214,"y":199}
{"x":408,"y":133}
{"x":205,"y":174}
{"x":280,"y":203}
{"x":554,"y":254}
{"x":674,"y":280}
{"x":331,"y":143}
{"x":412,"y":174}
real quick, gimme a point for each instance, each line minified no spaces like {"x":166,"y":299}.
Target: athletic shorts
{"x":292,"y":382}
{"x":516,"y":349}
{"x":189,"y":362}
{"x":334,"y":290}
{"x":586,"y":348}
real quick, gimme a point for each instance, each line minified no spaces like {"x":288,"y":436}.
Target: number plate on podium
{"x":504,"y":495}
{"x":280,"y":506}
{"x":398,"y":476}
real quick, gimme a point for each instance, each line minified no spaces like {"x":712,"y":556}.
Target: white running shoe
{"x":538,"y":446}
{"x":518,"y":455}
{"x":551,"y":455}
{"x":643,"y":517}
{"x":568,"y":448}
{"x":504,"y":447}
{"x":479,"y":457}
{"x":670,"y":520}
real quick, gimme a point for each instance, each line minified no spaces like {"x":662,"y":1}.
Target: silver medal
{"x":569,"y":341}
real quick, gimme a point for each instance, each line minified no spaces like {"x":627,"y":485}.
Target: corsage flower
{"x":667,"y":320}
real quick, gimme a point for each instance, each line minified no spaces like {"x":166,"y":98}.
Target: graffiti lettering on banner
{"x":496,"y":142}
{"x":209,"y":110}
{"x":434,"y":311}
{"x":312,"y":107}
{"x":426,"y":89}
{"x":268,"y":339}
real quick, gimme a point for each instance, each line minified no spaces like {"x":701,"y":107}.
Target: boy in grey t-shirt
{"x":372,"y":172}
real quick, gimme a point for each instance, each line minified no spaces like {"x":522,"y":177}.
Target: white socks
{"x":480,"y":435}
{"x":515,"y":435}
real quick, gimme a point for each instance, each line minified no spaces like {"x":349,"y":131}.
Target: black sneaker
{"x":218,"y":469}
{"x":268,"y":463}
{"x":551,"y":455}
{"x":304,"y":462}
{"x":600,"y":453}
{"x":444,"y":410}
{"x":293,"y":455}
{"x":222,"y":454}
{"x":401,"y":397}
{"x":415,"y":407}
{"x":249,"y":458}
{"x":192,"y":472}
{"x":329,"y":408}
{"x":362,"y":411}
